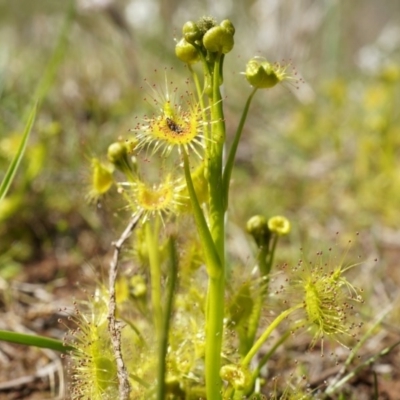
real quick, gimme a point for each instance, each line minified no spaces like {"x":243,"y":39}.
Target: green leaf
{"x":34,"y":340}
{"x":12,"y":169}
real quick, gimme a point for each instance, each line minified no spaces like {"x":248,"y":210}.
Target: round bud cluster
{"x":204,"y":37}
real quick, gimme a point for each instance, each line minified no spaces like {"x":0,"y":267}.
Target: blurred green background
{"x":326,"y":155}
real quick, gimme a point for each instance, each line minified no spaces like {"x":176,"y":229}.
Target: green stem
{"x":262,"y":260}
{"x":163,"y":345}
{"x":216,"y":285}
{"x":214,"y":335}
{"x":232,"y":152}
{"x":275,"y":323}
{"x":256,"y":373}
{"x":155,"y":273}
{"x":270,"y":353}
{"x":265,"y":260}
{"x":213,"y":262}
{"x":215,"y":295}
{"x":201,"y":102}
{"x":254,"y":318}
{"x":271,"y":256}
{"x":214,"y":170}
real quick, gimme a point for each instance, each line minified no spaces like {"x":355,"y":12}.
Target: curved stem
{"x":232,"y":152}
{"x":265,"y":259}
{"x":201,"y":102}
{"x":212,"y":259}
{"x":270,"y":353}
{"x":275,"y":323}
{"x":254,"y":318}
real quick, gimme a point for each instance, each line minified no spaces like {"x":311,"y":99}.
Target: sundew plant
{"x":179,"y":322}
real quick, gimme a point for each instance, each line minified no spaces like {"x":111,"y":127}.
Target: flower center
{"x":173,"y":126}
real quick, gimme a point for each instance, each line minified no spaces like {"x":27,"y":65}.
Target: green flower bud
{"x":219,"y":39}
{"x":117,"y":154}
{"x":257,"y":226}
{"x":228,"y":26}
{"x":186,"y":52}
{"x":191,"y":32}
{"x":279,"y":225}
{"x":261,"y":75}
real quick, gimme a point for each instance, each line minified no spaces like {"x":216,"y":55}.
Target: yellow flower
{"x":157,"y":199}
{"x":279,"y":225}
{"x":175,"y":127}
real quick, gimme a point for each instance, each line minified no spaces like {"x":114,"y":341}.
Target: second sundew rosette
{"x":161,"y":199}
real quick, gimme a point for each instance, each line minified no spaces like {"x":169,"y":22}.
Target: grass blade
{"x":34,"y":340}
{"x":12,"y":169}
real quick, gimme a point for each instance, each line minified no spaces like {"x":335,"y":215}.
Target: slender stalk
{"x":212,"y":259}
{"x":200,"y":93}
{"x":275,"y":323}
{"x":232,"y":152}
{"x":270,"y":353}
{"x":163,"y":345}
{"x":155,"y":272}
{"x":241,"y":394}
{"x":257,"y":308}
{"x":271,"y":255}
{"x":265,"y":260}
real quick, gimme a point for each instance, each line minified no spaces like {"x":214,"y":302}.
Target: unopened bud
{"x":186,"y":52}
{"x":261,"y":74}
{"x":191,"y":32}
{"x":117,"y":154}
{"x":257,"y":226}
{"x":219,"y":39}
